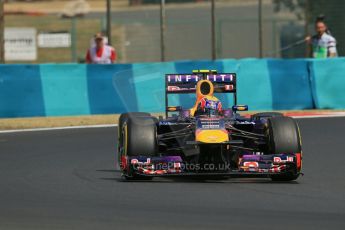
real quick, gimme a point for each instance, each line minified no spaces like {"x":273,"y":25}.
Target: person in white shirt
{"x":322,"y":45}
{"x":100,"y":53}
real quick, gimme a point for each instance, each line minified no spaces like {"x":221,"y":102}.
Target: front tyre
{"x":265,"y":115}
{"x":283,"y":135}
{"x":284,"y":138}
{"x":138,"y":137}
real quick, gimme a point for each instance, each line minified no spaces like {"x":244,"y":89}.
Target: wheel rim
{"x":122,"y":150}
{"x":124,"y":140}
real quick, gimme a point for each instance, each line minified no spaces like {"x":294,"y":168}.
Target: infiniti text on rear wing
{"x":186,"y":83}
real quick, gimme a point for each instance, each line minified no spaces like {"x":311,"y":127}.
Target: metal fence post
{"x":213,"y":31}
{"x":306,"y":26}
{"x":219,"y":53}
{"x":74,"y":40}
{"x":109,"y":21}
{"x":2,"y":32}
{"x":260,"y":28}
{"x":162,"y":28}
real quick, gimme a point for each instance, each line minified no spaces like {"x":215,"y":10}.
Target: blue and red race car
{"x":208,"y":140}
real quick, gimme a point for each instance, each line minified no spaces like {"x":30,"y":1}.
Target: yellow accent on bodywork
{"x":172,"y":108}
{"x":198,"y":90}
{"x":199,"y":95}
{"x":212,"y":136}
{"x":204,"y":71}
{"x":241,"y":108}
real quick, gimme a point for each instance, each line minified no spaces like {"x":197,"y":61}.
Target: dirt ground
{"x":48,"y":122}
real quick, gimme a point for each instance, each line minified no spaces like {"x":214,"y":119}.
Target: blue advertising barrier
{"x":328,"y":83}
{"x":78,"y":89}
{"x":270,"y":84}
{"x":21,"y":93}
{"x":64,"y":89}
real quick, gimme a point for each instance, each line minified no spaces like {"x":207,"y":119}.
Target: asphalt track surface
{"x":65,"y":179}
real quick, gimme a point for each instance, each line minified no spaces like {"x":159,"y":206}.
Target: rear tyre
{"x":284,"y":137}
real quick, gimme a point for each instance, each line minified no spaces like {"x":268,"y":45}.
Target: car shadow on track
{"x":108,"y":170}
{"x":118,"y":178}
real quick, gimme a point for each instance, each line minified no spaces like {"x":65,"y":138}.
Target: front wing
{"x":248,"y":166}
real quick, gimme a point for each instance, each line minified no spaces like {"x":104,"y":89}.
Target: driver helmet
{"x":209,"y":107}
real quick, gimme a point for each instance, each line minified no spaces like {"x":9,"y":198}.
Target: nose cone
{"x":211,"y":136}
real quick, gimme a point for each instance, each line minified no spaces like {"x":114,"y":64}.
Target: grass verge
{"x":49,"y":122}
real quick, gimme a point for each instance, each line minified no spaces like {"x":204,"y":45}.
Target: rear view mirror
{"x":240,"y":107}
{"x":174,"y":108}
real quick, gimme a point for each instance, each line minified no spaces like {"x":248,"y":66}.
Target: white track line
{"x":318,"y":116}
{"x":115,"y":125}
{"x":58,"y":128}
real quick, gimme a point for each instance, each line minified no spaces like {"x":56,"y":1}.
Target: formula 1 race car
{"x":208,"y":140}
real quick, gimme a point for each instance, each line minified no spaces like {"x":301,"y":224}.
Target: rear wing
{"x":186,"y":84}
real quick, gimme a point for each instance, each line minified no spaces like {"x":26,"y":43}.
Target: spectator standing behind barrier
{"x":100,"y":53}
{"x":322,"y":45}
